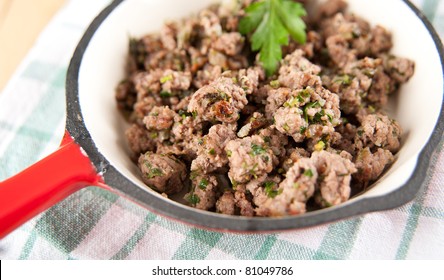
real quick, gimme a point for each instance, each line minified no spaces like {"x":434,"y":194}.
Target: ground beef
{"x":308,"y":113}
{"x":293,"y":155}
{"x":291,"y":195}
{"x":206,"y":120}
{"x":371,"y":165}
{"x":243,"y":203}
{"x":398,"y":68}
{"x":335,"y":172}
{"x":208,"y":74}
{"x":210,"y":149}
{"x":254,"y":122}
{"x":250,"y":78}
{"x":126,"y":96}
{"x":139,"y":139}
{"x":164,"y":173}
{"x":226,"y":203}
{"x":297,"y":72}
{"x":229,"y":43}
{"x":159,"y":118}
{"x":221,"y":101}
{"x":204,"y":190}
{"x":174,"y":81}
{"x":378,"y":130}
{"x":339,"y":51}
{"x":249,"y":158}
{"x":330,"y":8}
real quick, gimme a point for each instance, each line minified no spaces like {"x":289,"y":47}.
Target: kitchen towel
{"x":96,"y":224}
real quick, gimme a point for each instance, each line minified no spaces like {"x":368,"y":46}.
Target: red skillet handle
{"x":44,"y":184}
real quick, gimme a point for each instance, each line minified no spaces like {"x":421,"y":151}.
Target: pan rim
{"x":76,"y":126}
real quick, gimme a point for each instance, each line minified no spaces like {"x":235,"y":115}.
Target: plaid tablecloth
{"x":95,"y":224}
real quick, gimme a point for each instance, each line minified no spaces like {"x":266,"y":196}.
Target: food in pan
{"x":253,"y":127}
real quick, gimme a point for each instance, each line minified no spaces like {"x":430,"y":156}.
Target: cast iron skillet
{"x":78,"y":163}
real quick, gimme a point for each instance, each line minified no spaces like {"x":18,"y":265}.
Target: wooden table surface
{"x":21,"y":22}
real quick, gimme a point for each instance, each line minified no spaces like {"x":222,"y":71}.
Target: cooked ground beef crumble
{"x":203,"y":112}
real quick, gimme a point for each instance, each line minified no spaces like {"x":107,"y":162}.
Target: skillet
{"x":93,"y":153}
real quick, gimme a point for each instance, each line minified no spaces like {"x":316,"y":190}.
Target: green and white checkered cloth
{"x":95,"y":224}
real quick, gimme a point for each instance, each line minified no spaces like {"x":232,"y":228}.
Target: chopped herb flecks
{"x":308,"y":173}
{"x":203,"y":184}
{"x":257,"y":149}
{"x":193,"y":199}
{"x":270,"y":191}
{"x":166,"y":78}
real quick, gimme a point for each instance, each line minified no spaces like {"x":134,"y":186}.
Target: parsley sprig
{"x":272,"y":22}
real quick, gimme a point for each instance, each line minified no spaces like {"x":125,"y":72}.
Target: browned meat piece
{"x":186,"y":127}
{"x":399,"y":69}
{"x":208,"y":74}
{"x":254,"y":122}
{"x":382,"y":86}
{"x":139,"y":139}
{"x":330,"y":8}
{"x":346,"y":142}
{"x":293,"y":155}
{"x":125,"y":96}
{"x":151,"y":43}
{"x":159,"y":118}
{"x":250,"y":78}
{"x":249,"y":158}
{"x":243,"y":203}
{"x":353,"y":84}
{"x":210,"y":23}
{"x":339,"y":51}
{"x":341,"y":27}
{"x":219,"y":101}
{"x":147,"y":83}
{"x":297,"y":72}
{"x":168,"y":35}
{"x":226,"y":204}
{"x":276,"y":98}
{"x":313,"y":45}
{"x":291,"y":195}
{"x":174,"y":81}
{"x":176,"y":60}
{"x":290,"y":120}
{"x":164,"y":173}
{"x":335,"y":176}
{"x":275,"y":140}
{"x":210,"y":149}
{"x":371,"y":165}
{"x":229,"y":43}
{"x":180,"y":150}
{"x":203,"y":192}
{"x":256,"y":188}
{"x":139,"y":49}
{"x":218,"y":59}
{"x":323,"y":138}
{"x":380,"y":131}
{"x":308,"y":113}
{"x":143,"y":107}
{"x":381,"y":40}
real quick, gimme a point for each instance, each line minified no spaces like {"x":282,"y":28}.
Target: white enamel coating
{"x":417,"y":105}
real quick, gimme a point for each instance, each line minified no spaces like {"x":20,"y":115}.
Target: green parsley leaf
{"x":272,"y":22}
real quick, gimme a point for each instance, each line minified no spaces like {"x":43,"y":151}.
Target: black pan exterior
{"x":77,"y":128}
